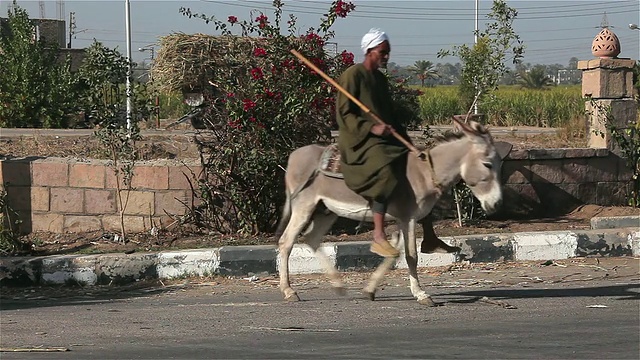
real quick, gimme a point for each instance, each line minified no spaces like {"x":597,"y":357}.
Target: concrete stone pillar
{"x":609,"y":83}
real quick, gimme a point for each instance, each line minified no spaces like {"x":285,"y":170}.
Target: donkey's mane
{"x":448,"y":136}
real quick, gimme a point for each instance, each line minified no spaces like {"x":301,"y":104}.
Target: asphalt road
{"x":581,"y":308}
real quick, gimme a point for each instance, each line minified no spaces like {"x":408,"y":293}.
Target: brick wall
{"x":61,"y":195}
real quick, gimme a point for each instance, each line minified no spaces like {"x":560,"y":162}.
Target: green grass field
{"x":508,"y":106}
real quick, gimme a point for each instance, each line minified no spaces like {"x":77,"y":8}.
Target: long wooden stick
{"x":356,"y":101}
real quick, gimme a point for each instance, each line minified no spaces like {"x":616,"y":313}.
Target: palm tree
{"x":534,"y":78}
{"x":424,"y":70}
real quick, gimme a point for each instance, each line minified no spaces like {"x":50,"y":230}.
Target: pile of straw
{"x":188,"y":62}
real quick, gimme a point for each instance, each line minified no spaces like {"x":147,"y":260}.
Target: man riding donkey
{"x":374,"y":161}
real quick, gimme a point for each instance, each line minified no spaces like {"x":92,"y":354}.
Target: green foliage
{"x":627,"y":140}
{"x":172,"y":105}
{"x":406,"y":101}
{"x":535,"y":78}
{"x":266,"y":104}
{"x":511,"y":106}
{"x":424,"y":70}
{"x":484,"y":64}
{"x":35,"y":89}
{"x":102,"y":76}
{"x":10,"y":243}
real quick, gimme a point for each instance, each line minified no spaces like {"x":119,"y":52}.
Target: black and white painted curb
{"x":253,"y":260}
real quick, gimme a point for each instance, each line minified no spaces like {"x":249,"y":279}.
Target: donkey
{"x":314,"y":201}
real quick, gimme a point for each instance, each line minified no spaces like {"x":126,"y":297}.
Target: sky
{"x":552,"y":31}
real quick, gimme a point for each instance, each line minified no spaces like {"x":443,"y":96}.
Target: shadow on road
{"x":625,"y":291}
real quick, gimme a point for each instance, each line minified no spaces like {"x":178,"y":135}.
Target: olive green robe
{"x":371,"y":164}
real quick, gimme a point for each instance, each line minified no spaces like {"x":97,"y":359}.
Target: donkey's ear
{"x":460,"y":126}
{"x":503,"y":148}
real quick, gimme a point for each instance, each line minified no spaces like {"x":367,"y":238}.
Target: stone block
{"x":40,"y":199}
{"x":518,"y":154}
{"x":546,"y":154}
{"x":67,"y":200}
{"x":549,"y":171}
{"x":15,"y":172}
{"x":49,"y":173}
{"x":587,"y":193}
{"x":150,"y":177}
{"x":171,"y":202}
{"x":110,"y":179}
{"x":19,"y":198}
{"x":545,"y":245}
{"x":178,"y":176}
{"x":606,"y":83}
{"x":621,"y":112}
{"x":516,"y":172}
{"x":611,"y":193}
{"x":100,"y":201}
{"x":602,"y":169}
{"x":140,"y":203}
{"x":81,"y":223}
{"x":131,"y":223}
{"x":245,"y":260}
{"x":579,"y":153}
{"x":50,"y":222}
{"x":575,"y":170}
{"x":87,"y":176}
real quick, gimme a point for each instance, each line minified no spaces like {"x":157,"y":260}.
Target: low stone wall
{"x":61,"y":195}
{"x":553,"y":181}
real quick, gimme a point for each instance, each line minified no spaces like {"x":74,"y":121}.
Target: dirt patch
{"x":182,"y":145}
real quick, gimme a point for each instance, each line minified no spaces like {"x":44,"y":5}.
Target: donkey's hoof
{"x":369,"y":295}
{"x":292,"y":297}
{"x":427,"y":302}
{"x":340,"y":290}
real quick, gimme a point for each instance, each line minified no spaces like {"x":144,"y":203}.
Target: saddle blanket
{"x":330,"y":162}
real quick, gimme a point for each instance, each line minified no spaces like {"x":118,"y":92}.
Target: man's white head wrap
{"x":372,"y":39}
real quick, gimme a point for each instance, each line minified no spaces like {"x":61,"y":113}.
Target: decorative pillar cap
{"x":606,"y":44}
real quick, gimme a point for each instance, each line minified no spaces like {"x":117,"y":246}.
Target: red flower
{"x":256,"y":73}
{"x":248,"y":104}
{"x":232,"y":19}
{"x":259,"y":52}
{"x":262,"y":21}
{"x":343,"y":8}
{"x":252,"y":119}
{"x":230,"y":94}
{"x":314,"y":38}
{"x":289,"y":64}
{"x":347,"y":57}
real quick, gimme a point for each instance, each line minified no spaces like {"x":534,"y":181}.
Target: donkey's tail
{"x":286,"y":211}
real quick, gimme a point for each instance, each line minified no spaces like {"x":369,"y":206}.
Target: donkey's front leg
{"x":411,"y":255}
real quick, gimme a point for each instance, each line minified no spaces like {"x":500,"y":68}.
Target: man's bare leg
{"x":380,"y":245}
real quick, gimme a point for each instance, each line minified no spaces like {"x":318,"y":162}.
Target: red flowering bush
{"x":263,"y":104}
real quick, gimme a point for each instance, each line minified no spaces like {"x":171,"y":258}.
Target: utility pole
{"x":475,"y":41}
{"x":72,"y":27}
{"x":127,"y":14}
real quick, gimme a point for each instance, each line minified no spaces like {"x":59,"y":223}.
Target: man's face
{"x":380,"y":54}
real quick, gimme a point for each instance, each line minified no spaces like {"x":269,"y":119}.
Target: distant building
{"x":52,"y":31}
{"x":568,"y":76}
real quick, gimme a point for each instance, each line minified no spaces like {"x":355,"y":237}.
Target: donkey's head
{"x":480,"y":167}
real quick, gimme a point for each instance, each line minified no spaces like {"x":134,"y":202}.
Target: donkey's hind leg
{"x":320,"y":225}
{"x":301,"y":211}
